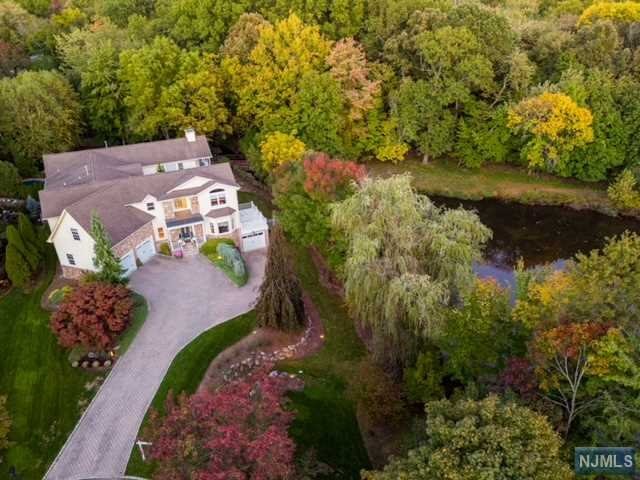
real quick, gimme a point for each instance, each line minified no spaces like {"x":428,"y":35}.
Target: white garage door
{"x":146,"y":250}
{"x":128,"y":263}
{"x":254,"y":241}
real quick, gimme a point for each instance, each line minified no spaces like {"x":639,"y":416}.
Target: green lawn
{"x":504,"y":182}
{"x":42,"y":388}
{"x":139,"y":316}
{"x":326,"y":418}
{"x":45,"y":394}
{"x":188,"y":369}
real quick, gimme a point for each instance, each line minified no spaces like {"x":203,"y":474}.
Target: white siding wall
{"x":232,"y":201}
{"x":81,"y":250}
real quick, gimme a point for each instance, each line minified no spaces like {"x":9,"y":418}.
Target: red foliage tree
{"x":237,"y":433}
{"x":93,"y":315}
{"x":519,"y":376}
{"x":327,"y":178}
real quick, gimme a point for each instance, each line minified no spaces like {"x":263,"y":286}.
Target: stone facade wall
{"x":136,"y":238}
{"x":73,"y":273}
{"x":195,"y":205}
{"x":199,"y":232}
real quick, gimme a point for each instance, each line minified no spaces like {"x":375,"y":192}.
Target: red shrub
{"x":237,"y":433}
{"x":327,"y":178}
{"x":93,"y":315}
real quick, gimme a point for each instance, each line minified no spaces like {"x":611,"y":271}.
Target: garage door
{"x":146,"y":250}
{"x":128,"y":263}
{"x":254,"y":241}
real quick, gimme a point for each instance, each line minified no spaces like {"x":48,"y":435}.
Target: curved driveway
{"x":186,"y":298}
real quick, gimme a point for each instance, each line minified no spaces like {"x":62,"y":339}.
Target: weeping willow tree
{"x":407,"y":262}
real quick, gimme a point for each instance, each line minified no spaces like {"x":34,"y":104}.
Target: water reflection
{"x":537,"y":234}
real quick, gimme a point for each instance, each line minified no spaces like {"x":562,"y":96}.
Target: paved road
{"x":186,"y":297}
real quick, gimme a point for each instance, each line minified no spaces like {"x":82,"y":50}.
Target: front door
{"x":186,"y":233}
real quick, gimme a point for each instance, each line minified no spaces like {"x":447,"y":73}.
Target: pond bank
{"x":503,"y":182}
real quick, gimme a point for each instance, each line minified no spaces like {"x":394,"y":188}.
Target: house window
{"x":213,"y":228}
{"x":70,"y":259}
{"x":218,"y":197}
{"x":204,"y":162}
{"x":75,"y":234}
{"x":223,"y":227}
{"x":180,"y":204}
{"x":160,"y":232}
{"x":151,"y":206}
{"x":180,"y":166}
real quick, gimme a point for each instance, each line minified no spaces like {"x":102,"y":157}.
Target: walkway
{"x":186,"y":298}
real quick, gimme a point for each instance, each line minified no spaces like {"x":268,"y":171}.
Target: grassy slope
{"x":446,"y":178}
{"x":188,"y":369}
{"x":326,"y":418}
{"x":139,"y":316}
{"x":42,"y":388}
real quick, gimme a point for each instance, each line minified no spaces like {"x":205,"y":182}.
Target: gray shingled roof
{"x":219,"y":212}
{"x":103,"y":164}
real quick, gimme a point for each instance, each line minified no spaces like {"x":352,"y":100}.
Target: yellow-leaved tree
{"x":268,"y":83}
{"x":553,"y":125}
{"x":279,"y":148}
{"x":624,"y":12}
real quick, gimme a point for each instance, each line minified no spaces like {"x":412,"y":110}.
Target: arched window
{"x":217,"y":197}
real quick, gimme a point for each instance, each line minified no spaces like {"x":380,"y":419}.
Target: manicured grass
{"x":504,"y":182}
{"x":188,"y":369}
{"x":325,"y":416}
{"x":43,"y":390}
{"x":139,"y":316}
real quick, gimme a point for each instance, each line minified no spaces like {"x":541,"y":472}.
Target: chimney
{"x":190,"y":133}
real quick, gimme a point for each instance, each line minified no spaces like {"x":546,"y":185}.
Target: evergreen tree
{"x":280,"y":304}
{"x":17,"y":268}
{"x":108,"y":265}
{"x":28,"y":234}
{"x":29,"y":253}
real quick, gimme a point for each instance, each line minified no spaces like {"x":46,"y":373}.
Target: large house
{"x":145,"y":194}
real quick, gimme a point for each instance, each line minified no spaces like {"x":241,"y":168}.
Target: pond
{"x":538,"y":234}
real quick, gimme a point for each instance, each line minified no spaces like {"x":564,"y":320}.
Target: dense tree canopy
{"x":40,"y":114}
{"x":481,"y":439}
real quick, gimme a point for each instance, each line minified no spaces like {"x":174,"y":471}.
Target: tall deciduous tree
{"x":168,"y":89}
{"x":108,"y":265}
{"x":407,"y":261}
{"x":481,"y":439}
{"x":269,"y":83}
{"x":198,"y":23}
{"x":40,"y":114}
{"x":553,"y":126}
{"x":280,"y":303}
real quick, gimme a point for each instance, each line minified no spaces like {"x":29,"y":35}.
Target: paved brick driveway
{"x":186,"y":298}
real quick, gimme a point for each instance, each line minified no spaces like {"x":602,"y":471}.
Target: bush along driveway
{"x":186,"y":297}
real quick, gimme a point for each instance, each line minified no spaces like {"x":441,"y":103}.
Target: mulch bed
{"x":264,"y":343}
{"x":58,"y":282}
